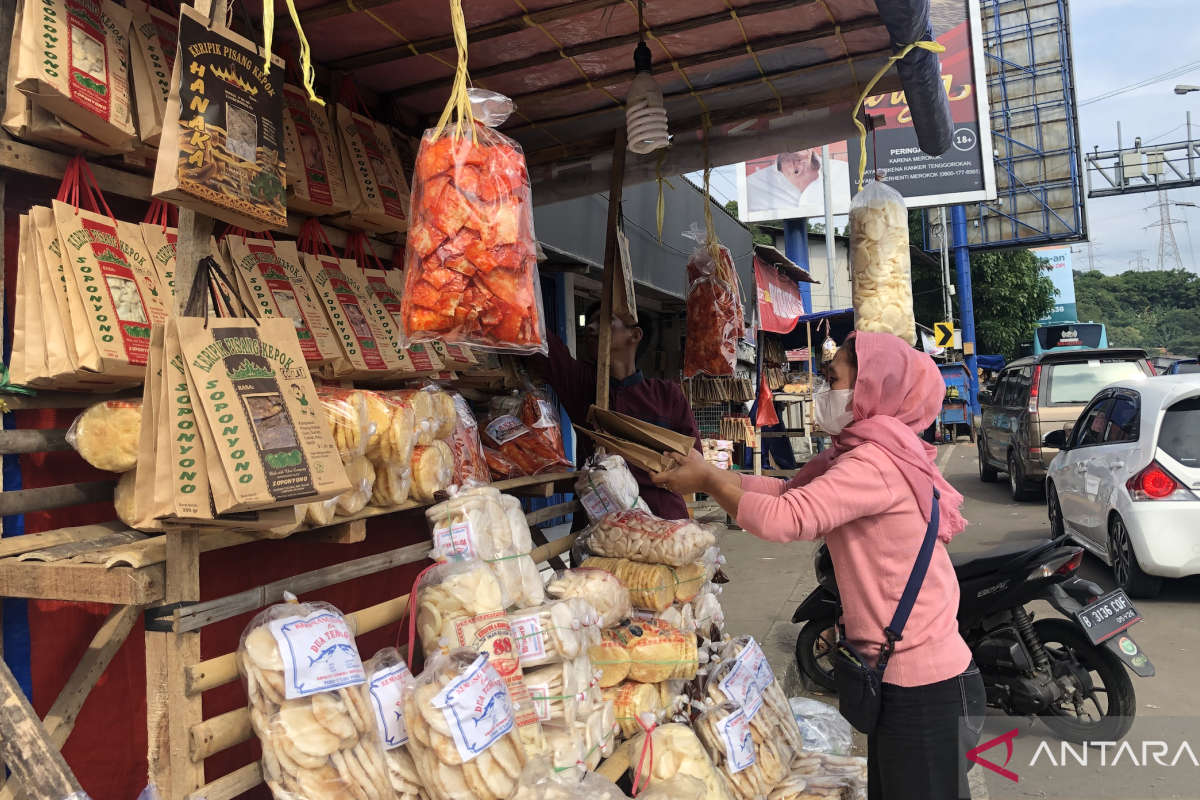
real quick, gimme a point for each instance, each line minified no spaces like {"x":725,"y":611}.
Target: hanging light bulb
{"x":645,"y":117}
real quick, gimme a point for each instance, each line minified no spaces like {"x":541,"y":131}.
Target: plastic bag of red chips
{"x":530,"y":448}
{"x":471,"y":263}
{"x":714,"y":309}
{"x":470,"y":462}
{"x":501,"y":466}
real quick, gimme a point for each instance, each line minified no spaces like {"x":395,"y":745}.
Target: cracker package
{"x":315,"y":183}
{"x":273,"y":283}
{"x":376,"y":186}
{"x":366,"y":349}
{"x":221,"y":151}
{"x":74,"y":63}
{"x":259,"y":407}
{"x":152,"y":58}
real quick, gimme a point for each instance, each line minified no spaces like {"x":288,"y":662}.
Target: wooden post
{"x":26,"y":747}
{"x":182,"y":650}
{"x":611,"y":265}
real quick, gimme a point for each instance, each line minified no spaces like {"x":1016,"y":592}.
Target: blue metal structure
{"x":955,"y":407}
{"x":795,"y":247}
{"x":966,"y":305}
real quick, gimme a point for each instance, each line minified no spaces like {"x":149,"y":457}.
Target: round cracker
{"x":339,"y":762}
{"x":330,"y":710}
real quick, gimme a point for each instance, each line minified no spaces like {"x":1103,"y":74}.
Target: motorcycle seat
{"x":973,"y":564}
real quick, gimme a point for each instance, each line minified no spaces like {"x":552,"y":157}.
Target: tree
{"x":1156,"y":310}
{"x":757,"y":234}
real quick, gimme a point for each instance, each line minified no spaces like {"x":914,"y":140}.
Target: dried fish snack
{"x":462,"y":728}
{"x":879,"y":262}
{"x":318,"y":733}
{"x":107,"y":434}
{"x":603,"y":590}
{"x":676,"y":751}
{"x":641,"y":536}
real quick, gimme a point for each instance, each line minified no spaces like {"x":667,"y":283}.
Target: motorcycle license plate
{"x":1108,"y":616}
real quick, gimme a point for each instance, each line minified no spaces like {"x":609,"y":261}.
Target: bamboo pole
{"x":611,"y":265}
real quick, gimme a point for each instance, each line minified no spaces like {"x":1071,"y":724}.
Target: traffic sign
{"x":943,"y":334}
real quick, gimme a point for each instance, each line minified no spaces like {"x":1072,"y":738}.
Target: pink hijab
{"x":897,"y":396}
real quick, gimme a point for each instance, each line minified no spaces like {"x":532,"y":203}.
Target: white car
{"x":1126,"y":484}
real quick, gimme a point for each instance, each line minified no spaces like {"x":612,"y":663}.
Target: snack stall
{"x":343,"y":331}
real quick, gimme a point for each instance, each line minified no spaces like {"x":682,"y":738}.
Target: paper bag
{"x":20,"y":372}
{"x":636,"y":441}
{"x":152,"y":58}
{"x":375,"y":183}
{"x":251,"y":385}
{"x":144,"y":480}
{"x":74,"y":63}
{"x":422,"y":359}
{"x":315,"y":183}
{"x":221,"y":150}
{"x":624,"y":303}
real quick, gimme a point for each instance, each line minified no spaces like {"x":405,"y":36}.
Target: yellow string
{"x":268,"y":32}
{"x":710,"y":244}
{"x":837,"y":32}
{"x":932,"y":47}
{"x":307,"y":74}
{"x":753,"y":55}
{"x":459,"y":100}
{"x":661,"y":210}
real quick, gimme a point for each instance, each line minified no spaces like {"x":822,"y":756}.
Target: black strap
{"x":895,"y":630}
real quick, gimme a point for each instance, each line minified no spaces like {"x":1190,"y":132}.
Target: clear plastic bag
{"x":675,"y":751}
{"x":715,"y":320}
{"x":680,"y":787}
{"x":541,"y":780}
{"x":632,"y":699}
{"x":444,"y":413}
{"x":611,"y":659}
{"x":107,"y":434}
{"x":604,"y":591}
{"x":362,"y":484}
{"x":554,"y":691}
{"x":641,"y":536}
{"x":470,"y":462}
{"x":533,"y":450}
{"x":392,"y":485}
{"x":823,"y":775}
{"x":320,"y":513}
{"x":708,"y":614}
{"x":879,"y":262}
{"x":346,"y":415}
{"x":425,"y":414}
{"x":318,"y":734}
{"x":548,"y":633}
{"x":822,"y":726}
{"x":462,"y":728}
{"x":605,"y":484}
{"x":657,"y":651}
{"x":456,"y":600}
{"x":471,"y":261}
{"x":750,"y":763}
{"x":500,"y":466}
{"x":541,"y":416}
{"x":651,"y":586}
{"x":432,"y":469}
{"x":490,"y":108}
{"x":689,"y":580}
{"x":395,"y":433}
{"x":387,"y":676}
{"x":743,"y":676}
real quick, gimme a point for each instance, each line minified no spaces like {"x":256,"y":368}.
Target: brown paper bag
{"x":20,"y":371}
{"x":58,"y":350}
{"x":144,"y":480}
{"x":251,"y":382}
{"x":160,"y":245}
{"x":375,"y":181}
{"x":275,"y":285}
{"x":222,"y":139}
{"x":624,"y":303}
{"x":152,"y":58}
{"x":74,"y":62}
{"x":315,"y":183}
{"x":423,"y":360}
{"x":356,"y":252}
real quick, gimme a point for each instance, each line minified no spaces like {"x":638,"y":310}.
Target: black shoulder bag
{"x":859,"y":685}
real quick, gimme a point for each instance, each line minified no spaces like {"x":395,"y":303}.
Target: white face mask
{"x":830,"y":408}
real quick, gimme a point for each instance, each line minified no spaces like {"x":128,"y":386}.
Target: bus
{"x":1069,"y":336}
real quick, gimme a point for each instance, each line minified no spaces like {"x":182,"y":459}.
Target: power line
{"x":1175,"y":73}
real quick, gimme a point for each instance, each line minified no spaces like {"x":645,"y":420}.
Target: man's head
{"x":801,"y":168}
{"x":632,"y":340}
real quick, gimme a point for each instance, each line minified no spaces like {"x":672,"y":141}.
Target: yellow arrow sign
{"x":943,"y":334}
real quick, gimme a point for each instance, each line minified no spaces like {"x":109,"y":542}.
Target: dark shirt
{"x":652,"y":400}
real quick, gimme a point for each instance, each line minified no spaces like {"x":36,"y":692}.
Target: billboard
{"x":791,"y":185}
{"x":965,"y":172}
{"x":1064,"y":281}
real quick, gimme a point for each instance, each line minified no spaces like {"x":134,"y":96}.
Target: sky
{"x":1116,"y":44}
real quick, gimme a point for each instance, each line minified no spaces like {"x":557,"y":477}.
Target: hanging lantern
{"x":645,"y":117}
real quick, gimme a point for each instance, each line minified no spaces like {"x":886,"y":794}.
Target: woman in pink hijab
{"x":871,"y":496}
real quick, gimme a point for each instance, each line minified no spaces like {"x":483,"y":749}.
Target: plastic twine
{"x":647,"y":723}
{"x":307,"y":73}
{"x":932,"y":47}
{"x":459,"y":100}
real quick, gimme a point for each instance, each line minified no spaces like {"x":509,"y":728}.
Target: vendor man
{"x":652,"y":400}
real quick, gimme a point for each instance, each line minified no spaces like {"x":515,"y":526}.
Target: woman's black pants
{"x":918,"y":749}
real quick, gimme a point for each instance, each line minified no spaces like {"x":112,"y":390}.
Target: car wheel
{"x":1016,"y":480}
{"x":986,"y":473}
{"x":1125,"y":566}
{"x":1054,"y":511}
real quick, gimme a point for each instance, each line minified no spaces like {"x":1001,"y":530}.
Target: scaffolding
{"x":1035,"y":131}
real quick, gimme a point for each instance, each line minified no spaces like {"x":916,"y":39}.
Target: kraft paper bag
{"x":385,"y":321}
{"x":221,"y":148}
{"x":375,"y":182}
{"x":637,"y":442}
{"x":423,"y":359}
{"x":147,"y":475}
{"x":152,"y":59}
{"x":315,"y":182}
{"x":20,"y":371}
{"x":59,"y":346}
{"x":73,"y":61}
{"x":266,"y":432}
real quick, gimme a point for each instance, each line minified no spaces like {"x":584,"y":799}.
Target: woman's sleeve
{"x":761,"y":484}
{"x":851,"y":488}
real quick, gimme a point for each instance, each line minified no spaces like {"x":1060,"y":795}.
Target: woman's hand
{"x":691,"y":474}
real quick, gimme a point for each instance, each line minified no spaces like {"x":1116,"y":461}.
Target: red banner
{"x":779,"y":304}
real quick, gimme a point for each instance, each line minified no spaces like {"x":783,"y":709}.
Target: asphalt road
{"x":1169,"y":632}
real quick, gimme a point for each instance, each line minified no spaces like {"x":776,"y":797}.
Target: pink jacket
{"x":870,"y":497}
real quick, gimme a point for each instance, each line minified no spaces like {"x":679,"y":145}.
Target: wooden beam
{"x":53,"y":399}
{"x":550,"y":512}
{"x":33,"y":441}
{"x":26,"y":747}
{"x":68,"y":551}
{"x":48,"y":498}
{"x":338,"y":533}
{"x":82,"y":583}
{"x":183,"y":650}
{"x":584,"y":48}
{"x":158,"y":736}
{"x":539,"y":538}
{"x":230,"y":786}
{"x":219,"y":733}
{"x":616,"y":182}
{"x":21,"y":157}
{"x":191,"y":246}
{"x":16,"y":545}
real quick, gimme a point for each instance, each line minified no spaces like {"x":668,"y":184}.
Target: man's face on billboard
{"x":802,"y":168}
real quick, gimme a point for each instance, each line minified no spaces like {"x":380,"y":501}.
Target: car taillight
{"x":1155,"y":483}
{"x":1033,"y":389}
{"x":1153,"y":371}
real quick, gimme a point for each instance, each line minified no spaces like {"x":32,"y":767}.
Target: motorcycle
{"x":1070,"y":672}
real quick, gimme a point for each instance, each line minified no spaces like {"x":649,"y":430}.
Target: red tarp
{"x":779,"y":305}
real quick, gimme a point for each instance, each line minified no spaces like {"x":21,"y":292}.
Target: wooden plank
{"x":69,"y":550}
{"x":191,"y":246}
{"x":338,"y":533}
{"x":154,"y":550}
{"x":616,"y":182}
{"x":550,"y":512}
{"x":183,"y":650}
{"x":194,"y":617}
{"x":26,"y":747}
{"x":539,"y":538}
{"x":16,"y":545}
{"x":219,"y":733}
{"x":21,"y":157}
{"x":33,"y":441}
{"x":48,"y":498}
{"x":84,"y":583}
{"x":230,"y":786}
{"x":52,"y":399}
{"x":158,"y":737}
{"x":616,"y":765}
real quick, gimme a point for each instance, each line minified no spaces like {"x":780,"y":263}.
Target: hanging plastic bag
{"x":533,"y":450}
{"x":879,"y":262}
{"x":651,"y":586}
{"x":383,"y":692}
{"x":107,"y":434}
{"x":675,"y":750}
{"x":822,"y":726}
{"x":657,"y":651}
{"x":552,"y":632}
{"x":641,"y":536}
{"x":471,"y":272}
{"x":632,"y":699}
{"x":607,"y":595}
{"x":715,"y":319}
{"x":605,"y":484}
{"x":554,"y":693}
{"x":470,"y":462}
